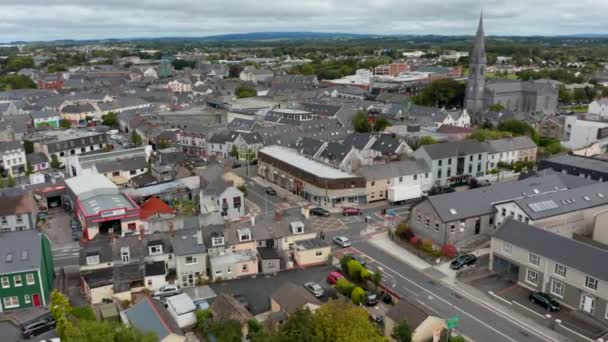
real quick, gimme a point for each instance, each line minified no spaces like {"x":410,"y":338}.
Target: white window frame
{"x":30,"y":279}
{"x":9,"y":302}
{"x":530,"y":271}
{"x":507,"y":248}
{"x":6,"y":283}
{"x":155,"y":250}
{"x":217,"y":241}
{"x":93,"y":259}
{"x":27,"y":299}
{"x":552,"y":289}
{"x":534,"y":259}
{"x":17,"y":280}
{"x":592,"y":280}
{"x":193,"y":262}
{"x":125,"y":255}
{"x":558,"y":273}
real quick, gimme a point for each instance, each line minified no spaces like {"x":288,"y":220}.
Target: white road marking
{"x":537,"y":333}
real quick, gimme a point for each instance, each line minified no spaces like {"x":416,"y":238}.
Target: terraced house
{"x":26,"y":270}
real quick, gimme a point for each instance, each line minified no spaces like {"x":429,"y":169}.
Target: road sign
{"x":452,"y":322}
{"x":391,"y":212}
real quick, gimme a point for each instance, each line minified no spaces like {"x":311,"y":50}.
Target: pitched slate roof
{"x":580,"y":162}
{"x":11,"y":204}
{"x":358,"y":140}
{"x":510,"y":144}
{"x":454,"y":149}
{"x":78,"y":108}
{"x":226,"y":307}
{"x":404,"y":167}
{"x":411,"y":313}
{"x":464,"y":204}
{"x":37,"y":158}
{"x":580,"y":256}
{"x":386,"y":144}
{"x":308,"y":146}
{"x":20,"y":251}
{"x":185,"y":242}
{"x":145,"y":316}
{"x":335,"y":151}
{"x":292,"y":297}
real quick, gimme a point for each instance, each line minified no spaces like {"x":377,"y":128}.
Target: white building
{"x":17,"y":212}
{"x":598,"y":109}
{"x":12,"y":157}
{"x":582,"y":133}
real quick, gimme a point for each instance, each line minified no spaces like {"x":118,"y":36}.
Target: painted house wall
{"x":153,"y":283}
{"x":315,"y":256}
{"x":184,"y":270}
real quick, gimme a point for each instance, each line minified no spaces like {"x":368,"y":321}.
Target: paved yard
{"x":331,"y":223}
{"x":258,"y":291}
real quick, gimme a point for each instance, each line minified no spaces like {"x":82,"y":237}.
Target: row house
{"x":535,"y":259}
{"x":12,"y":158}
{"x":220,"y":199}
{"x":510,"y":150}
{"x":51,"y":82}
{"x":65,"y":143}
{"x":78,"y":113}
{"x":17,"y":211}
{"x":193,"y":144}
{"x":247,"y":144}
{"x":396,"y":181}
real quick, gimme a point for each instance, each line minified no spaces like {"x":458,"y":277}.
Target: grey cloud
{"x":60,"y":19}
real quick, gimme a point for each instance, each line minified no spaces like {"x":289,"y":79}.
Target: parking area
{"x":257,"y":291}
{"x":12,"y":333}
{"x":58,"y":228}
{"x":326,"y":223}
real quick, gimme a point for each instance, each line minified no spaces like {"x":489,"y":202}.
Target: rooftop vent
{"x":453,"y":211}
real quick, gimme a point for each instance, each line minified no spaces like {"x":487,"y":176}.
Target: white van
{"x":182,"y":309}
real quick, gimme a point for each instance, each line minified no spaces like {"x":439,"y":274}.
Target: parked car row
{"x":38,"y":327}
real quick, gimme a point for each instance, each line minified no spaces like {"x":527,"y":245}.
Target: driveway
{"x":258,"y":290}
{"x":11,"y":333}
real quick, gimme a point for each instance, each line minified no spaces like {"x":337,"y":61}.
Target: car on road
{"x":544,"y":300}
{"x":358,"y":258}
{"x":342,"y":241}
{"x":315,"y":289}
{"x":351,"y":211}
{"x":333,"y":277}
{"x":167,"y":291}
{"x":270,"y":191}
{"x":463,"y":261}
{"x":38,"y":327}
{"x":319,"y":212}
{"x":371,"y":298}
{"x":244,"y":302}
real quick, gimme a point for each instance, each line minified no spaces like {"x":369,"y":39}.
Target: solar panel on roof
{"x":543,"y":205}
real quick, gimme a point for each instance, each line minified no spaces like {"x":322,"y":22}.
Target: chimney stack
{"x":252,"y":218}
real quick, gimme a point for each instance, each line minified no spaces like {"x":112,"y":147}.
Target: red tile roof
{"x":154,"y":206}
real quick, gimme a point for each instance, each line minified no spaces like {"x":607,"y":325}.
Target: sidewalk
{"x":20,"y":316}
{"x":383,"y":242}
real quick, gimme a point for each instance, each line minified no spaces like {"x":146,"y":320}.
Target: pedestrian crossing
{"x":66,"y":253}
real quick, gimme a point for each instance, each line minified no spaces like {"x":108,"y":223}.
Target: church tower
{"x":477,"y":74}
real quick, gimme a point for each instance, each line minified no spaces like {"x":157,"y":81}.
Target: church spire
{"x":477,"y":73}
{"x":479,"y":47}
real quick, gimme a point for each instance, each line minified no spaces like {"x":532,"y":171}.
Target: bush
{"x":354,"y":269}
{"x":345,"y":287}
{"x":366,"y":274}
{"x":448,"y":250}
{"x":343,"y":261}
{"x":84,"y":313}
{"x":404,"y":231}
{"x":357,"y":295}
{"x":457,"y":339}
{"x":427,"y":246}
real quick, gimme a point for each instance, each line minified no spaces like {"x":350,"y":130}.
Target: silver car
{"x":342,"y":241}
{"x":315,"y":289}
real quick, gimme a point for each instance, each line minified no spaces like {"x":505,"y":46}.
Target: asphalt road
{"x":475,"y":321}
{"x":11,"y":333}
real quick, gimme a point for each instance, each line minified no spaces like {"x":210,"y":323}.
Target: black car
{"x":358,"y":258}
{"x":319,"y":212}
{"x":544,"y":300}
{"x":38,"y":327}
{"x":270,"y":191}
{"x":463,"y":261}
{"x":371,"y":298}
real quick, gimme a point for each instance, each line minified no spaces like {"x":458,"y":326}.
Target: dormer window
{"x":217,"y":241}
{"x":297,"y":227}
{"x":93,"y":259}
{"x":244,"y":234}
{"x":156,"y":250}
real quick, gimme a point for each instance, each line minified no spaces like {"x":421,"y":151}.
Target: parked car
{"x":167,"y":291}
{"x":319,"y":212}
{"x":358,"y":258}
{"x":315,"y":289}
{"x":333,"y":277}
{"x":342,"y":241}
{"x":351,"y":211}
{"x":75,"y":235}
{"x":201,"y":304}
{"x":38,"y":327}
{"x":544,"y":300}
{"x":378,"y":319}
{"x":371,"y":298}
{"x":270,"y":191}
{"x":242,"y":300}
{"x":463,"y":261}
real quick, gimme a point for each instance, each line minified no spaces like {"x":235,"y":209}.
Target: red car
{"x":333,"y":277}
{"x":351,"y":211}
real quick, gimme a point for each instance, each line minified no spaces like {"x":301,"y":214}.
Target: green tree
{"x":299,"y":327}
{"x":377,"y":278}
{"x":65,"y":124}
{"x":234,"y":152}
{"x":565,"y":95}
{"x":28,"y":146}
{"x":1,"y":182}
{"x":381,"y":124}
{"x":579,"y":96}
{"x":354,"y":269}
{"x":427,"y":140}
{"x":13,"y":82}
{"x":518,"y":128}
{"x":226,"y":331}
{"x":245,"y":91}
{"x":341,"y":321}
{"x":11,"y":181}
{"x":361,"y":122}
{"x":16,"y":63}
{"x":441,"y":93}
{"x":203,"y":318}
{"x":136,"y":138}
{"x":29,"y":169}
{"x":497,"y":107}
{"x":402,"y":332}
{"x":60,"y":310}
{"x":180,"y":64}
{"x":110,"y":119}
{"x":357,"y":295}
{"x":345,"y":287}
{"x":163,"y":144}
{"x":55,"y":163}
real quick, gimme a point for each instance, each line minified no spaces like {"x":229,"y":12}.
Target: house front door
{"x":36,"y":299}
{"x":587,"y":303}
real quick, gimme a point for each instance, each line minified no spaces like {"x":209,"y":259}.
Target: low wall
{"x":570,"y":334}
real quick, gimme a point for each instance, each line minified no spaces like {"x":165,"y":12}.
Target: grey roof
{"x":44,"y":114}
{"x":408,"y":311}
{"x":10,"y":146}
{"x":239,"y":124}
{"x":212,"y":179}
{"x":566,"y":201}
{"x":185,"y":242}
{"x":510,"y":144}
{"x":155,"y":268}
{"x":308,"y":146}
{"x":37,"y":158}
{"x":454,"y":149}
{"x":100,"y":247}
{"x":580,"y":256}
{"x":404,"y":167}
{"x":292,"y":297}
{"x":145,"y":317}
{"x":121,"y":164}
{"x":335,"y":151}
{"x":311,"y":244}
{"x":358,"y":140}
{"x":78,"y":108}
{"x":20,"y":251}
{"x":386,"y":144}
{"x":581,"y":162}
{"x":480,"y":201}
{"x":267,"y":253}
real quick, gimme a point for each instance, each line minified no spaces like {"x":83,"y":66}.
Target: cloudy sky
{"x":85,"y":19}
